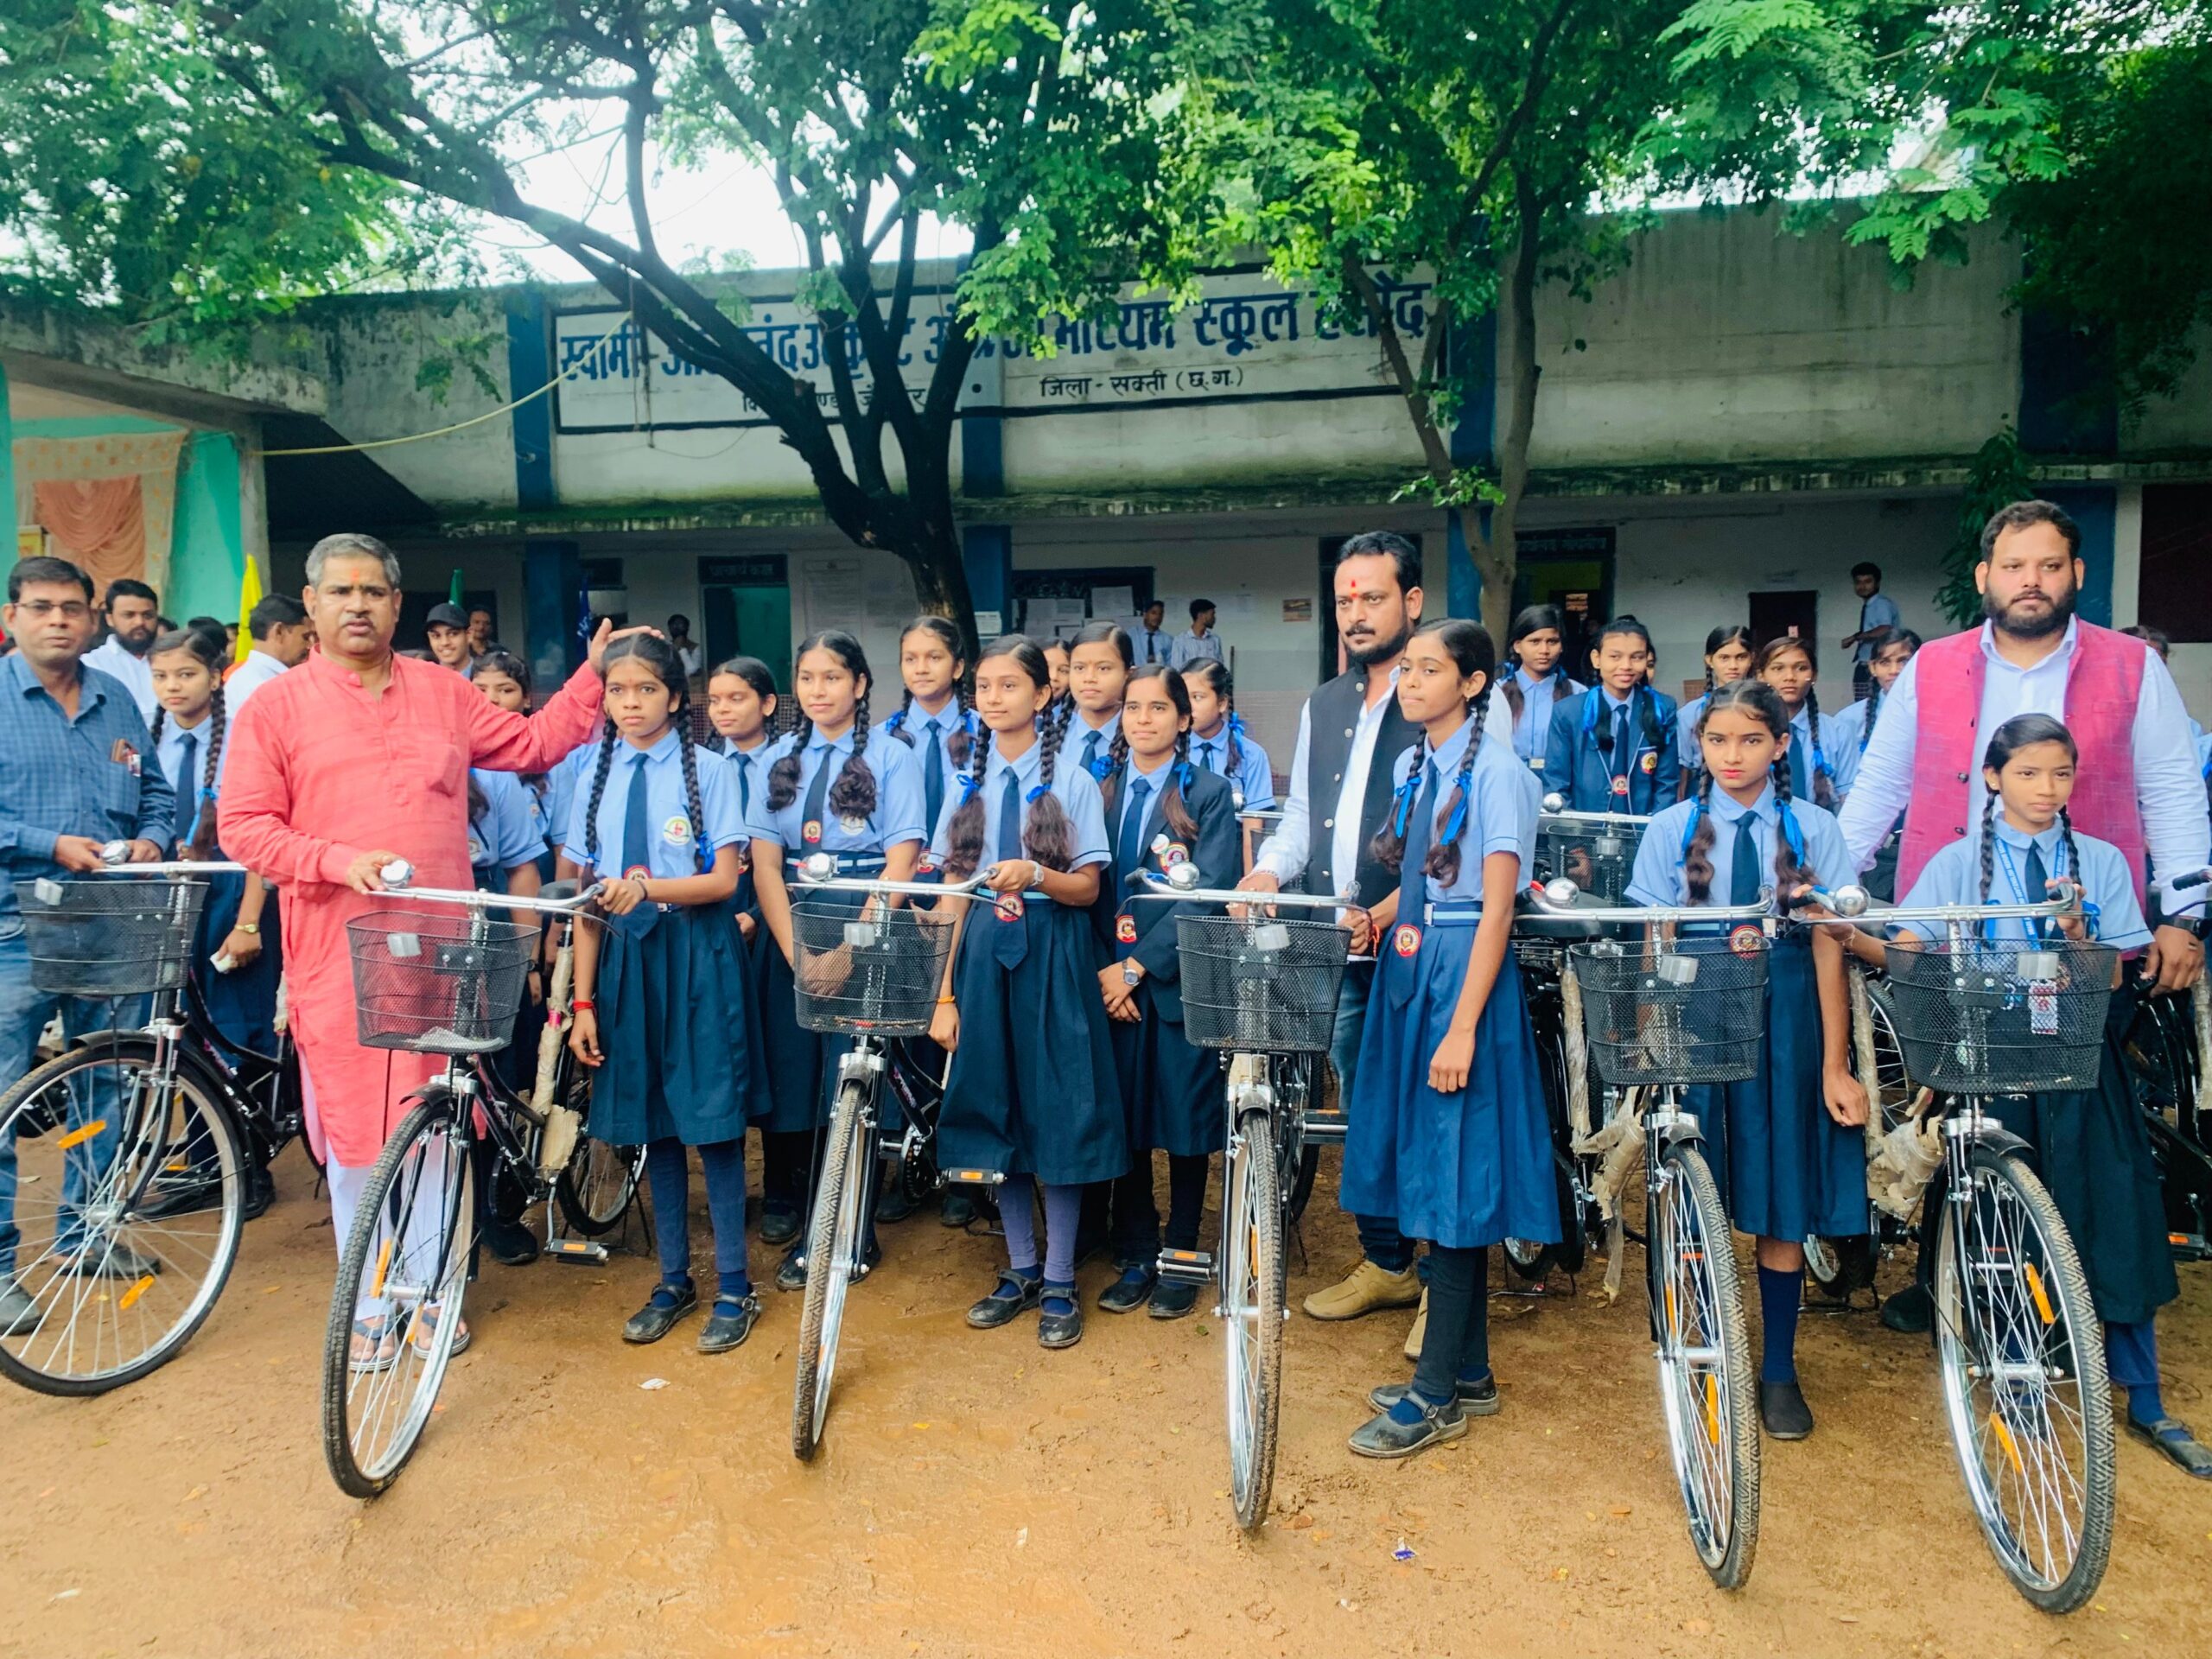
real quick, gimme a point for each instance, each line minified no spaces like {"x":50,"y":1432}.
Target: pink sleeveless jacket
{"x":2104,"y":682}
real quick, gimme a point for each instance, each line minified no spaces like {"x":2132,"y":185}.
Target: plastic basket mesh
{"x":1261,"y":984}
{"x":113,"y":936}
{"x":1692,"y":1011}
{"x":442,"y":982}
{"x":876,"y":969}
{"x":1597,"y":861}
{"x":2014,"y":1018}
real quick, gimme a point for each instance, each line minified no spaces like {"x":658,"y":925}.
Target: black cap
{"x":447,"y":615}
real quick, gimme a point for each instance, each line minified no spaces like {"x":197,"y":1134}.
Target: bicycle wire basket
{"x":1597,"y":859}
{"x":2017,"y":1017}
{"x":438,"y":983}
{"x":875,"y":969}
{"x":113,"y":937}
{"x":1261,"y":984}
{"x":1685,"y":1011}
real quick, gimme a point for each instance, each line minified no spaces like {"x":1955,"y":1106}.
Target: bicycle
{"x":2168,"y":1045}
{"x":2020,"y":1345}
{"x":146,"y":1140}
{"x":1263,"y":992}
{"x":440,"y":977}
{"x":871,"y":974}
{"x":1594,"y":850}
{"x":1681,"y":1011}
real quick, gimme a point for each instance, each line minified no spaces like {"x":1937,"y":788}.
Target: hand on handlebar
{"x":1361,"y":921}
{"x":620,"y":895}
{"x":366,"y":874}
{"x":1015,"y":875}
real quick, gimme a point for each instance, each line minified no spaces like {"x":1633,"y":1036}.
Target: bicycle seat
{"x":1531,"y":921}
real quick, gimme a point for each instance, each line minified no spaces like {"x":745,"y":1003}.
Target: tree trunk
{"x":939,"y":568}
{"x":1499,"y":559}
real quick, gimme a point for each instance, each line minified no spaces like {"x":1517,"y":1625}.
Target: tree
{"x":1472,"y":140}
{"x":1034,"y":123}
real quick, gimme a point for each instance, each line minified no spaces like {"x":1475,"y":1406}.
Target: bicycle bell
{"x":1182,"y":877}
{"x":397,"y":874}
{"x":114,"y":853}
{"x":817,"y":866}
{"x":1560,"y":892}
{"x":1850,"y":900}
{"x":1554,"y":802}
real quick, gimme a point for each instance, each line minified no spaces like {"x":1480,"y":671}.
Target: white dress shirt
{"x":135,"y":672}
{"x":258,"y":669}
{"x":2169,"y":790}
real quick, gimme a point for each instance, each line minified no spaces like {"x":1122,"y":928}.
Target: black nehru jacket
{"x":1334,"y":713}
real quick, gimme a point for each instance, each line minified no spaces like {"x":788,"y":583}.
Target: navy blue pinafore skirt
{"x":678,"y":1027}
{"x":1174,"y":1096}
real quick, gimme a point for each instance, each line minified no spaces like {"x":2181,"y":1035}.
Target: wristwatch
{"x":245,"y":927}
{"x":1131,"y":973}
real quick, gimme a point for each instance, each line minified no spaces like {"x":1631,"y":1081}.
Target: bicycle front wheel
{"x":835,"y":1239}
{"x":1704,"y":1365}
{"x":397,"y":1305}
{"x":130,"y":1199}
{"x":2022,"y":1359}
{"x":1252,"y":1313}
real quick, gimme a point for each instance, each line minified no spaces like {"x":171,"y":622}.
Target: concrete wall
{"x":378,"y":349}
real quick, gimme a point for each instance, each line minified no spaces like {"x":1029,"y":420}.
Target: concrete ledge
{"x":41,"y":346}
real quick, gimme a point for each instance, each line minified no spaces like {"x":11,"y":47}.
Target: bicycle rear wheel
{"x":1252,"y":1313}
{"x":404,"y":1269}
{"x":843,"y":1201}
{"x":595,"y":1188}
{"x":2022,"y":1359}
{"x":130,"y":1199}
{"x":1704,"y":1365}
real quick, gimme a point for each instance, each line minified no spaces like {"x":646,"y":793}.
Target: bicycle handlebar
{"x":470,"y":899}
{"x":1852,"y":904}
{"x":1557,"y":897}
{"x":173,"y":867}
{"x":1554,"y":811}
{"x":2194,"y":879}
{"x":1165,"y":886}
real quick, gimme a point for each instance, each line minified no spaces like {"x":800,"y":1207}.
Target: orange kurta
{"x":320,"y":772}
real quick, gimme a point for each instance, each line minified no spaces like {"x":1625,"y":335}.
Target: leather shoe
{"x":1784,"y":1411}
{"x":1912,"y":1310}
{"x":659,"y":1316}
{"x":1129,"y":1292}
{"x":1367,"y":1289}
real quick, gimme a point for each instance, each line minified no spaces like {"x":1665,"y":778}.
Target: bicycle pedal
{"x":972,"y":1178}
{"x":1186,"y":1267}
{"x":1325,"y":1125}
{"x":2190,"y":1247}
{"x":584,"y":1251}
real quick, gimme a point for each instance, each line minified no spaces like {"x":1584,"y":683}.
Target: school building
{"x":1725,"y":427}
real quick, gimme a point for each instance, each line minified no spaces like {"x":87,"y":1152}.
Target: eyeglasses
{"x":73,"y":610}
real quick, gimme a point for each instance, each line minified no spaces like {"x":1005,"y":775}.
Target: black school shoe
{"x":1014,"y":1294}
{"x":791,"y":1274}
{"x":511,"y":1244}
{"x":1912,"y":1310}
{"x":1784,"y":1411}
{"x":780,"y":1220}
{"x":1129,"y":1292}
{"x":959,"y":1210}
{"x":1060,"y":1330}
{"x":1384,"y":1436}
{"x":894,"y":1203}
{"x":1476,"y":1399}
{"x":725,"y":1330}
{"x":659,"y":1316}
{"x":2173,"y":1441}
{"x":1172,"y":1302}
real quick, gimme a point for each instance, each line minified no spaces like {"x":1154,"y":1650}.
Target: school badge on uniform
{"x":676,"y":832}
{"x":1125,"y":929}
{"x":1620,"y":786}
{"x":927,"y":864}
{"x":477,"y":851}
{"x":1160,"y":845}
{"x":637,"y":873}
{"x":812,"y":833}
{"x":1407,"y":940}
{"x":1747,"y":939}
{"x":1010,"y":907}
{"x":852,"y":826}
{"x":1176,"y":852}
{"x":1650,"y":764}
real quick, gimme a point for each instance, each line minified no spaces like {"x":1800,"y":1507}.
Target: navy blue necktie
{"x":818,"y":793}
{"x":932,"y":775}
{"x":1090,"y":751}
{"x":187,"y":791}
{"x":1744,"y":870}
{"x":1010,"y":938}
{"x":1800,"y":747}
{"x":1131,"y":857}
{"x":744,"y":783}
{"x":1413,"y":882}
{"x":1621,"y":756}
{"x":1205,"y":755}
{"x":637,"y":845}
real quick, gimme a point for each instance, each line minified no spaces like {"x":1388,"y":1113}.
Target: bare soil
{"x":978,"y":1495}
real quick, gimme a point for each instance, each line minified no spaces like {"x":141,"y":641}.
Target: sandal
{"x":381,"y":1355}
{"x":2172,"y":1440}
{"x":425,"y":1335}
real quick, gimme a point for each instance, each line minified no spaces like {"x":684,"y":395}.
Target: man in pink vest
{"x":2138,"y":786}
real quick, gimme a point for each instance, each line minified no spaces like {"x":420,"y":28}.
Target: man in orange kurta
{"x":357,"y":758}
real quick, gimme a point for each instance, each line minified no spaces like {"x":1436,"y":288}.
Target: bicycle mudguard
{"x":1995,"y":1136}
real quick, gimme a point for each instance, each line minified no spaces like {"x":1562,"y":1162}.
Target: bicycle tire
{"x":2056,"y":1298}
{"x":843,"y":1199}
{"x":1720,"y":1485}
{"x":431,"y":1121}
{"x":1252,"y":1282}
{"x":595,"y":1168}
{"x":23,"y":1360}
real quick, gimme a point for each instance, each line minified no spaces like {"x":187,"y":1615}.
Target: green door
{"x":749,"y":621}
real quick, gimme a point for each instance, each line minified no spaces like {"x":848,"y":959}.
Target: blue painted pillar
{"x":2095,"y":508}
{"x":529,"y":366}
{"x":1471,"y":357}
{"x":552,"y":580}
{"x":987,"y":550}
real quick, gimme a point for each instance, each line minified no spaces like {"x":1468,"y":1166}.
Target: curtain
{"x":139,"y":465}
{"x":99,"y":524}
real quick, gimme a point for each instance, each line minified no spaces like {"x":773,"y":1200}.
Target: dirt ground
{"x":977,"y":1495}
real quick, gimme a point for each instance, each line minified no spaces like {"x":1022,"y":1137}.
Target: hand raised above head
{"x":606,"y":636}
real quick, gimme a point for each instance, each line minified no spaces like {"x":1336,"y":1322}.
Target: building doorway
{"x":745,"y":611}
{"x":1794,"y":614}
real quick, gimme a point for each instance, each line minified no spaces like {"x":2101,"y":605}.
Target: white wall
{"x":377,"y":346}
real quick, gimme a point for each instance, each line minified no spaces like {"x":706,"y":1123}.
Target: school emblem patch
{"x":1125,"y":929}
{"x":852,"y":826}
{"x":1176,"y":854}
{"x":1620,"y":786}
{"x":477,"y":851}
{"x":1010,"y":907}
{"x":1650,"y":764}
{"x":636,"y":873}
{"x":676,"y":831}
{"x":1746,"y":939}
{"x":1407,"y":942}
{"x":812,"y":832}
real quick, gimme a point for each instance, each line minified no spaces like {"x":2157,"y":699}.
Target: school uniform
{"x":1251,"y":777}
{"x":1787,"y":1170}
{"x":802,"y":1063}
{"x":1091,"y":747}
{"x":748,"y":771}
{"x":930,"y":737}
{"x":682,"y":1046}
{"x":243,"y":1002}
{"x":1837,"y":753}
{"x":1467,"y":1169}
{"x":1641,"y":771}
{"x":1688,"y":744}
{"x":572,"y":772}
{"x":1032,"y":1088}
{"x":503,"y":834}
{"x":1532,"y":727}
{"x":2092,"y":1147}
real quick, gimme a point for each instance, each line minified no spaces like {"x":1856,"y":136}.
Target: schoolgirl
{"x":1612,"y":748}
{"x":503,"y":678}
{"x":1786,"y":1145}
{"x":1032,"y":1092}
{"x":1822,"y":762}
{"x":933,"y":719}
{"x":1160,"y":811}
{"x":1056,"y":658}
{"x":740,"y":702}
{"x":662,"y":1012}
{"x":1728,"y":659}
{"x":1219,"y":742}
{"x":1537,"y":682}
{"x":1448,"y":1131}
{"x":1855,"y":724}
{"x":1099,"y":660}
{"x":837,"y":788}
{"x":2091,"y":1148}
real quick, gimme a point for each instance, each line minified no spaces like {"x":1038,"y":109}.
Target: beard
{"x":1382,"y":650}
{"x":2030,"y":626}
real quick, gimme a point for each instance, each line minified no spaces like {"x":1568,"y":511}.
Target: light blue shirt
{"x":670,"y":831}
{"x":1076,"y":748}
{"x":1954,"y":877}
{"x":505,"y":835}
{"x":898,"y":815}
{"x":1155,"y":781}
{"x":1687,"y":746}
{"x":748,"y":770}
{"x":1658,"y":878}
{"x":1152,"y":645}
{"x":170,"y":753}
{"x":1503,"y":798}
{"x":1195,"y":648}
{"x":1841,"y":752}
{"x":1878,"y":612}
{"x":1534,"y":724}
{"x":1076,"y":789}
{"x":1253,"y":779}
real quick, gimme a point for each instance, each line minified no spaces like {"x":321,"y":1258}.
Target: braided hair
{"x":852,"y":794}
{"x":1642,"y":699}
{"x":2023,"y":731}
{"x":659,"y":656}
{"x":1755,"y":698}
{"x":1172,"y":809}
{"x":957,"y":741}
{"x":209,"y":651}
{"x":1911,"y":643}
{"x":1047,"y":837}
{"x":757,"y":677}
{"x":1720,"y":639}
{"x":1822,"y":775}
{"x":1474,"y":655}
{"x":1219,"y":680}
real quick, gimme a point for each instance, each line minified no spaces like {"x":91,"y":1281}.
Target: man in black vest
{"x":1349,"y":737}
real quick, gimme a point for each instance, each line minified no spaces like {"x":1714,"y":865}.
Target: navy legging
{"x":668,"y":1175}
